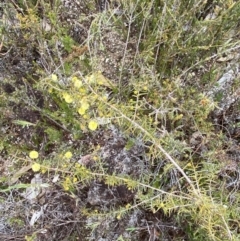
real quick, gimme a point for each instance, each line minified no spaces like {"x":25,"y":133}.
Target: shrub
{"x":137,"y":100}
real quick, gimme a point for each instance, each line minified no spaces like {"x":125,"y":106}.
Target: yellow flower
{"x":84,"y":105}
{"x":67,"y":98}
{"x":92,"y":125}
{"x":68,"y":155}
{"x":75,"y":180}
{"x":54,"y":77}
{"x":74,"y":78}
{"x":44,"y":170}
{"x":77,"y":165}
{"x":81,"y":111}
{"x":98,"y":147}
{"x":189,"y":165}
{"x":128,"y":206}
{"x":145,"y":87}
{"x":162,"y":205}
{"x":68,"y":180}
{"x":33,"y":154}
{"x":77,"y":82}
{"x":82,"y":90}
{"x":91,"y":79}
{"x":36,"y":167}
{"x":65,"y":187}
{"x":105,"y":97}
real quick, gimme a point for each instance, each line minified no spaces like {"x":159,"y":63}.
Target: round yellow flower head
{"x":77,"y":165}
{"x":162,"y":205}
{"x":66,"y":188}
{"x":128,"y":206}
{"x":33,"y":154}
{"x":92,"y":125}
{"x":75,"y":180}
{"x":145,"y":87}
{"x":83,"y":90}
{"x":54,"y":77}
{"x":74,"y":78}
{"x":77,"y":82}
{"x":67,"y":98}
{"x":84,"y":105}
{"x":81,"y":111}
{"x":68,"y":155}
{"x":36,"y":167}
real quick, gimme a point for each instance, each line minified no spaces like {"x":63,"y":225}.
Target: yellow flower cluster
{"x":84,"y":106}
{"x":68,"y":155}
{"x":84,"y":103}
{"x":68,"y":183}
{"x":68,"y":98}
{"x":35,"y":166}
{"x":79,"y":96}
{"x":77,"y":83}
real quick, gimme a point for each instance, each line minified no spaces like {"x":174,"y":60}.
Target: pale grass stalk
{"x":227,"y":228}
{"x":141,"y":184}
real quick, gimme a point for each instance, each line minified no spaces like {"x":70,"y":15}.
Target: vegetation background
{"x":119,"y":120}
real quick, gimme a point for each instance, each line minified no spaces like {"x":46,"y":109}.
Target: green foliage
{"x":67,"y":43}
{"x":165,"y":103}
